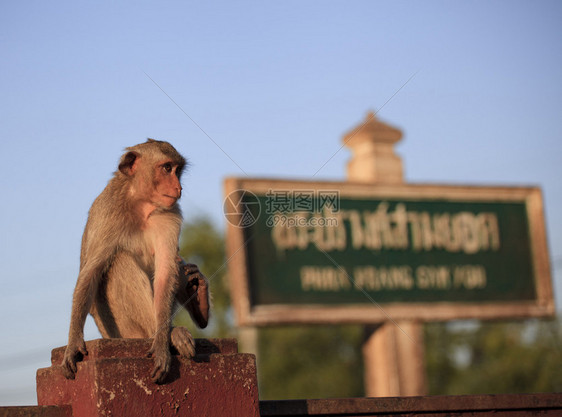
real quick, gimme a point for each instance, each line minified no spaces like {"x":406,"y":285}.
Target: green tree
{"x":310,"y":362}
{"x":495,"y":357}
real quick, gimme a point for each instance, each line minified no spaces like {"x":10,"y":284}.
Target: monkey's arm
{"x":165,"y":285}
{"x":193,"y":293}
{"x":84,"y":293}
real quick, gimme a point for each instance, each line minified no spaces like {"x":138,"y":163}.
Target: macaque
{"x":131,"y":276}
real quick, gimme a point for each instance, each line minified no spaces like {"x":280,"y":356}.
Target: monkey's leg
{"x":193,"y":293}
{"x":125,"y":307}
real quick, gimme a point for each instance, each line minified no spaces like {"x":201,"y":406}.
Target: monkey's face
{"x":167,"y":187}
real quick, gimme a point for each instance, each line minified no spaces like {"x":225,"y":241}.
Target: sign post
{"x":393,"y":353}
{"x":389,"y":255}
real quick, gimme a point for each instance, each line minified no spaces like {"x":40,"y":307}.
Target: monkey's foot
{"x":162,"y":360}
{"x":75,"y":350}
{"x":183,"y":342}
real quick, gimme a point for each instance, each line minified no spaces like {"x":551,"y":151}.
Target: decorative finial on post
{"x":372,"y":148}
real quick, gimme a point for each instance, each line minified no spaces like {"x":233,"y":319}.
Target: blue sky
{"x":275,"y":85}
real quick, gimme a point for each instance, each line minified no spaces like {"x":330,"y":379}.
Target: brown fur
{"x":129,"y":267}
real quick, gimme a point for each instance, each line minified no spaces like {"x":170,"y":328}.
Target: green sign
{"x":324,"y":245}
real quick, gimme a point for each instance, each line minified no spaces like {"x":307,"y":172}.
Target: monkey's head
{"x":154,"y":170}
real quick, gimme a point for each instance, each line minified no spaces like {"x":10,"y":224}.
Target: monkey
{"x":131,"y":276}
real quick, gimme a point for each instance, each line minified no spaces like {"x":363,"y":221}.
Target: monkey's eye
{"x":167,"y":167}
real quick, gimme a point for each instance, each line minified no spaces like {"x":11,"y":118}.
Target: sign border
{"x":262,"y":315}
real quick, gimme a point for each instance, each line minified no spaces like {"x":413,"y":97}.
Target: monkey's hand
{"x":160,"y":351}
{"x":193,"y":293}
{"x":183,"y":341}
{"x":74,"y":349}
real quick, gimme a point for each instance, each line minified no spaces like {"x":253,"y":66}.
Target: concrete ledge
{"x":513,"y":405}
{"x":114,"y":379}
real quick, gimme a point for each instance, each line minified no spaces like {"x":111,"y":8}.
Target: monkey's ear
{"x":128,"y":163}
